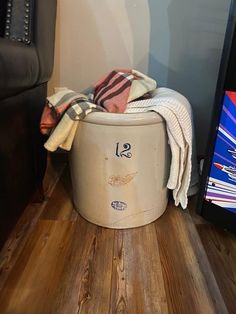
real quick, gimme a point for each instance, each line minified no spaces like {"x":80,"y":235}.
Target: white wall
{"x":93,"y":37}
{"x":177,"y":42}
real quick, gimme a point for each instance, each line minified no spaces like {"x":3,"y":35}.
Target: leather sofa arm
{"x":44,"y":36}
{"x":32,"y":23}
{"x":19,"y":67}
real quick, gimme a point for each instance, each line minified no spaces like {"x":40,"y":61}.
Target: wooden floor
{"x":56,"y":262}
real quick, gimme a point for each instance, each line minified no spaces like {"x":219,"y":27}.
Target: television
{"x":217,"y":197}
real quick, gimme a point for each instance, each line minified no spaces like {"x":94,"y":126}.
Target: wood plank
{"x":197,"y":219}
{"x":220,"y":247}
{"x":186,"y":284}
{"x":15,"y":243}
{"x":86,"y":281}
{"x":60,"y":205}
{"x":32,"y":283}
{"x":56,"y":262}
{"x":137,"y":281}
{"x":204,"y":264}
{"x":17,"y":239}
{"x":55,"y":167}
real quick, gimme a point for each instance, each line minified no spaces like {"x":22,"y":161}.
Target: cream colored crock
{"x":119,"y":167}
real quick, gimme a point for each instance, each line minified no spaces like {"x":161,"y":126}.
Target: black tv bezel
{"x":208,"y":210}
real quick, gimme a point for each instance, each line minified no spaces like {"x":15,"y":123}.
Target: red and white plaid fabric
{"x":112,"y":91}
{"x":116,"y":89}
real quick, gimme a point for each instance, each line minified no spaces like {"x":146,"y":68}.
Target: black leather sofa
{"x":27,"y":30}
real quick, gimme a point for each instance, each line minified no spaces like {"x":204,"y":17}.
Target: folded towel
{"x":119,"y":87}
{"x":176,"y":111}
{"x":60,"y":117}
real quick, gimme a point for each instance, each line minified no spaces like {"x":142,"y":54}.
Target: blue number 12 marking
{"x":125,"y":152}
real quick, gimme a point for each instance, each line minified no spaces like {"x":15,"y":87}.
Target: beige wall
{"x":176,"y":42}
{"x":96,"y":36}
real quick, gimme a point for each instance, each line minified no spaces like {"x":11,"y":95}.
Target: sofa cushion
{"x":19,"y":67}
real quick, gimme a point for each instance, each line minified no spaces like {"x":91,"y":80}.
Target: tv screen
{"x":221,"y":182}
{"x":217,"y":199}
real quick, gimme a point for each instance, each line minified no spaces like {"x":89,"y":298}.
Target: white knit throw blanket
{"x":176,"y":111}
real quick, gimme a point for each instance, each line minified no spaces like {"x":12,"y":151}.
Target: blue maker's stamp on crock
{"x":118,"y":205}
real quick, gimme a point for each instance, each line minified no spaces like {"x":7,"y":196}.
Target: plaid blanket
{"x":116,"y":89}
{"x":112,"y":93}
{"x":60,"y":117}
